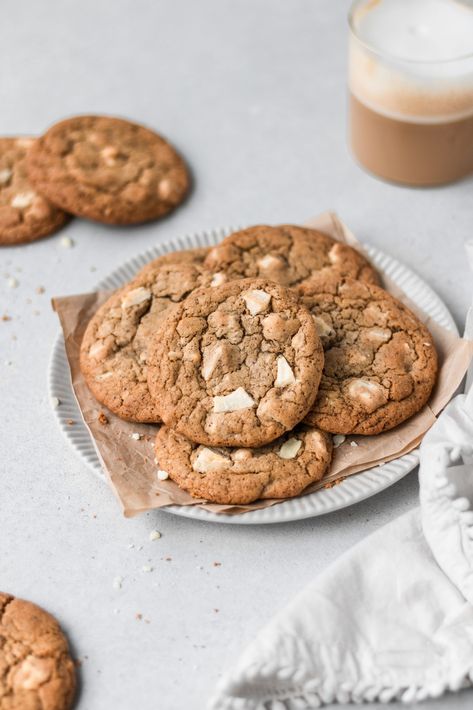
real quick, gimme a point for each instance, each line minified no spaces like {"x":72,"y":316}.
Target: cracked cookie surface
{"x":236,"y":365}
{"x":287,"y":254}
{"x":36,"y":670}
{"x":114,"y":350}
{"x":380,"y":360}
{"x":108,"y":169}
{"x":25,"y":215}
{"x":281,"y":469}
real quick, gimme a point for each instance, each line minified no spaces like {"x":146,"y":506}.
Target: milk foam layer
{"x":412,"y":59}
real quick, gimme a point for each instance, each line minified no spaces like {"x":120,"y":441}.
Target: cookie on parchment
{"x":36,"y":670}
{"x":108,"y":169}
{"x":114,"y":350}
{"x":282,"y":469}
{"x":287,"y":254}
{"x":236,"y":365}
{"x":186,"y":256}
{"x":380,"y":360}
{"x":24,"y":214}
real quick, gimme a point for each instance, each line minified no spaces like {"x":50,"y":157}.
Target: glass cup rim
{"x":388,"y":55}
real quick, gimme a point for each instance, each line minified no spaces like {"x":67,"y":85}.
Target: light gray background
{"x":253,"y":93}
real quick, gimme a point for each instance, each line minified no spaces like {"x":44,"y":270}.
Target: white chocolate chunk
{"x":23,"y":199}
{"x":322,"y":327}
{"x":256,"y":300}
{"x":285,"y":374}
{"x":290,"y":449}
{"x":208,"y":460}
{"x":98,"y":351}
{"x":218,"y":279}
{"x":269,"y":262}
{"x":242,"y":455}
{"x":31,"y":673}
{"x":5,"y":176}
{"x":24,"y":142}
{"x":211,"y":359}
{"x":338,"y":440}
{"x":236,"y":400}
{"x":162,"y":475}
{"x":135,"y":297}
{"x":109,"y":155}
{"x":379,"y":335}
{"x":334,"y":254}
{"x":164,"y":189}
{"x":370,"y":395}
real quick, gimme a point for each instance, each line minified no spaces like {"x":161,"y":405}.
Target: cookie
{"x":24,"y":214}
{"x":186,"y":256}
{"x":282,"y":469}
{"x":108,"y":169}
{"x":236,"y":365}
{"x":114,"y":350}
{"x":380,"y":360}
{"x":288,"y":255}
{"x":36,"y":670}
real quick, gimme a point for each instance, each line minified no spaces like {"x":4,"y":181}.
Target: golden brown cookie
{"x":186,"y":256}
{"x":36,"y":670}
{"x":24,"y":214}
{"x":380,"y":360}
{"x":282,"y":469}
{"x":108,"y":169}
{"x":288,"y":255}
{"x":236,"y":365}
{"x":114,"y":350}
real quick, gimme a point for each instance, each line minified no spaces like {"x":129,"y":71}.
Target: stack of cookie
{"x":97,"y":167}
{"x":253,"y":354}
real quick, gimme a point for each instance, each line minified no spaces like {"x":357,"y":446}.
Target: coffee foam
{"x":409,"y":58}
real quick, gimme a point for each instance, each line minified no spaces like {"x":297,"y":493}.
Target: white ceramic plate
{"x":351,"y":490}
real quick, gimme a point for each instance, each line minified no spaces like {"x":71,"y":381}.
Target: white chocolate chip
{"x":285,"y":374}
{"x":109,"y":155}
{"x":369,"y":394}
{"x":12,"y":282}
{"x":147,"y":568}
{"x":210,"y":360}
{"x":5,"y":176}
{"x":98,"y":351}
{"x":23,"y":199}
{"x":353,"y":444}
{"x":162,"y":475}
{"x":164,"y":189}
{"x":256,"y":300}
{"x":218,"y":279}
{"x":32,"y":673}
{"x":242,"y":455}
{"x":55,"y":402}
{"x":334,"y":254}
{"x":67,"y":242}
{"x":103,"y":376}
{"x":236,"y":400}
{"x":136,"y":436}
{"x":208,"y":460}
{"x":154,"y":535}
{"x":269,"y":262}
{"x":135,"y":297}
{"x":338,"y":440}
{"x":290,"y":449}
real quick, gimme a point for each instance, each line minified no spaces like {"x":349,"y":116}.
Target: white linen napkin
{"x":393,"y":617}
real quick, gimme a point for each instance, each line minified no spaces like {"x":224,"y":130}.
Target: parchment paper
{"x":130,"y":463}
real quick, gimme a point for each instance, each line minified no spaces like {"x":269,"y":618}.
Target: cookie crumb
{"x":5,"y":317}
{"x":138,"y":616}
{"x":70,"y":422}
{"x":168,"y":559}
{"x":66,"y":242}
{"x":154,"y":535}
{"x":117,"y":582}
{"x":147,"y":568}
{"x":217,"y":564}
{"x":12,"y":282}
{"x":55,"y":402}
{"x":353,"y":443}
{"x":102,"y":418}
{"x":40,"y":290}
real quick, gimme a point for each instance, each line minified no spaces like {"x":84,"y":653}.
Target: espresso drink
{"x":411,"y":89}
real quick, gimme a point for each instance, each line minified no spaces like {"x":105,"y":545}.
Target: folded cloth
{"x":390,"y":619}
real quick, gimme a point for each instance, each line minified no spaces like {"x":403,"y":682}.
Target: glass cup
{"x":411,"y":89}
